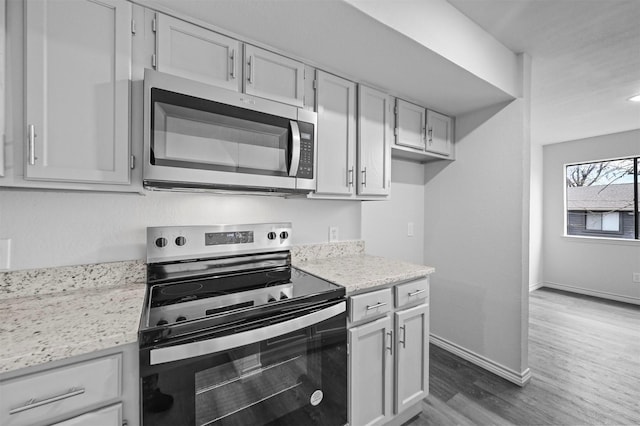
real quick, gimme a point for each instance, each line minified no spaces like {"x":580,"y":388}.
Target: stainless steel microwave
{"x":199,"y":137}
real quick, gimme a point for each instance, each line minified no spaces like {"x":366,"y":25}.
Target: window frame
{"x":600,"y":234}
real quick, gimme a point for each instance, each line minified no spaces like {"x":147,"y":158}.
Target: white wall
{"x":71,"y":228}
{"x":588,"y":265}
{"x":476,"y":236}
{"x":385,"y":223}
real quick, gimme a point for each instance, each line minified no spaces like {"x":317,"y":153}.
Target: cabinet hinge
{"x":395,"y":110}
{"x":347,"y":348}
{"x":315,"y":84}
{"x":153,"y":25}
{"x":132,"y":162}
{"x":395,"y":131}
{"x":153,"y":60}
{"x":133,"y":26}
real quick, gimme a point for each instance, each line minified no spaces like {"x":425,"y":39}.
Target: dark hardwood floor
{"x":584,"y":354}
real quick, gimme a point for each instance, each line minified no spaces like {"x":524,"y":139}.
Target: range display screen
{"x":220,"y":238}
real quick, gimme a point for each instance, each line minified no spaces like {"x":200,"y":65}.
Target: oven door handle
{"x":217,"y":344}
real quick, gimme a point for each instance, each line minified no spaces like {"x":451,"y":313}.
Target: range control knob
{"x":271,"y":299}
{"x":161,"y":242}
{"x":283,"y":296}
{"x":181,"y":318}
{"x":284,"y":235}
{"x":271,"y":235}
{"x":180,"y":241}
{"x":162,"y":322}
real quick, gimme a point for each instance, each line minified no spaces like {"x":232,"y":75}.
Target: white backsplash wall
{"x":385,"y":223}
{"x":50,"y":229}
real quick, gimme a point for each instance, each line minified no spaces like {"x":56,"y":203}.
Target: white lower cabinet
{"x":388,"y":354}
{"x":98,"y":390}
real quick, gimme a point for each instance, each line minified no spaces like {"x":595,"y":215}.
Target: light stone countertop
{"x":360,"y":271}
{"x":54,"y":313}
{"x":85,"y":314}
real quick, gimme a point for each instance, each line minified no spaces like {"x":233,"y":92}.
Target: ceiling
{"x":585,"y":61}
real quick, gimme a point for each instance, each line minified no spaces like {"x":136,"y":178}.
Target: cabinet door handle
{"x":404,"y":335}
{"x":364,"y":177}
{"x":430,"y":135}
{"x":31,"y":147}
{"x":250,"y":63}
{"x":33,"y":403}
{"x":377,"y":305}
{"x":414,"y":293}
{"x":390,"y":347}
{"x":350,"y":177}
{"x":233,"y":63}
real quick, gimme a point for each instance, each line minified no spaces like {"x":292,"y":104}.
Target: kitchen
{"x":112,"y":226}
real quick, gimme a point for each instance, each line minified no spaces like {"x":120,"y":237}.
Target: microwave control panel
{"x":305,"y":169}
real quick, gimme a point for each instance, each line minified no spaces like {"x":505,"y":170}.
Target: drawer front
{"x":41,"y":396}
{"x":110,"y":416}
{"x":370,"y":305}
{"x":412,"y":291}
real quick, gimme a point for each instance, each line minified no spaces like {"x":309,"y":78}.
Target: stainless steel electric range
{"x":232,"y":334}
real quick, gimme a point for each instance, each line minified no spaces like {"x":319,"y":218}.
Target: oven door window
{"x":189,"y":132}
{"x":298,"y":378}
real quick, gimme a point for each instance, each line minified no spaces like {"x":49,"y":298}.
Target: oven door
{"x":286,"y":370}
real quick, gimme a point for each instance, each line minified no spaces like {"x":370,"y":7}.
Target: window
{"x":602,"y":198}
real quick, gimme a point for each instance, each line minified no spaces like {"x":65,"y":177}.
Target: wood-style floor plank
{"x":584,"y":355}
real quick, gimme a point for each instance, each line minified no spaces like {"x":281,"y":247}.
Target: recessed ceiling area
{"x":585,"y":61}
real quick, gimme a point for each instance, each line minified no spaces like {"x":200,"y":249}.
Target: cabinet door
{"x":375,"y":112}
{"x":272,"y":76}
{"x":190,"y":51}
{"x":336,"y":108}
{"x":412,"y":356}
{"x":410,"y":125}
{"x":439,"y":133}
{"x":110,"y":416}
{"x":370,"y":364}
{"x":78,"y":56}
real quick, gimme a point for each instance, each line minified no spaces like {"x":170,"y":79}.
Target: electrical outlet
{"x":5,"y":254}
{"x":410,"y":229}
{"x":636,"y":277}
{"x":333,"y":234}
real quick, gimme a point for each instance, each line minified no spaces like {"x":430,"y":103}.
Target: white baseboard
{"x":595,"y":293}
{"x":535,"y":286}
{"x":519,"y":379}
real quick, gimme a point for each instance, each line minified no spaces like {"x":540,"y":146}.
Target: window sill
{"x":600,"y":240}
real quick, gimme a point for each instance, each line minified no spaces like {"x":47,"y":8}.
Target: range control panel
{"x":167,"y":243}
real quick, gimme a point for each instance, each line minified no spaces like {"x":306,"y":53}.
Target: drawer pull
{"x":414,"y":293}
{"x":32,"y":403}
{"x":377,"y":305}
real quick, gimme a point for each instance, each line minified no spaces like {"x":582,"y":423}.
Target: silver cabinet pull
{"x":233,"y":63}
{"x":364,"y":177}
{"x":350,"y":177}
{"x":250,"y":64}
{"x":31,"y":134}
{"x":414,"y":293}
{"x":430,"y":132}
{"x":390,"y":347}
{"x":377,"y":305}
{"x":34,"y":403}
{"x":404,"y":335}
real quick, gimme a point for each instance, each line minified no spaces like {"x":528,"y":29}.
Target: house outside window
{"x":602,"y":198}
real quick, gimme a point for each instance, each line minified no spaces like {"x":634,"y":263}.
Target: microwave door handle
{"x":295,"y":149}
{"x":204,"y":347}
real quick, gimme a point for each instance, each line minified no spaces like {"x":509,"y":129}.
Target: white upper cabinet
{"x":77,"y":90}
{"x":439,"y":134}
{"x":410,"y":124}
{"x":193,"y":52}
{"x":336,"y":134}
{"x":375,"y":115}
{"x":273,"y":76}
